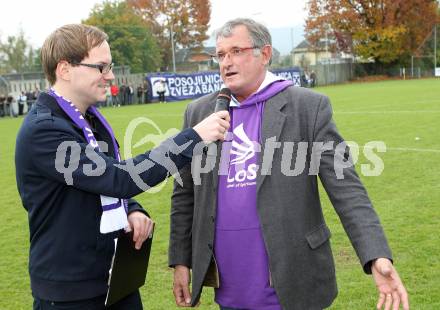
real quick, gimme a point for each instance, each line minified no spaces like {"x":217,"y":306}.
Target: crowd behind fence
{"x":135,"y":88}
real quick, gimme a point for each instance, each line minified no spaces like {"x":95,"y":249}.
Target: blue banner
{"x":293,"y":74}
{"x":194,"y":85}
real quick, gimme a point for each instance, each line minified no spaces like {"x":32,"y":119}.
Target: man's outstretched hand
{"x":392,"y":293}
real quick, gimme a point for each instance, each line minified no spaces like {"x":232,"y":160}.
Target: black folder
{"x":129,"y":268}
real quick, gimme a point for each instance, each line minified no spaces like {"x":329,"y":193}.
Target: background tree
{"x":386,"y":31}
{"x":129,"y":36}
{"x":17,"y":55}
{"x":188,"y":19}
{"x":2,"y":59}
{"x":36,"y":62}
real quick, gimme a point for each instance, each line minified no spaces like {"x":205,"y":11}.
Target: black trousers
{"x":131,"y":302}
{"x":161,"y":96}
{"x":20,"y":108}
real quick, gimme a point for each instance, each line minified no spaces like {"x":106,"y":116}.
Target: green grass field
{"x":406,"y":195}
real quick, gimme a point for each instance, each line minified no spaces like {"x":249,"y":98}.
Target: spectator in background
{"x":304,"y":80}
{"x":114,"y":90}
{"x":161,"y":88}
{"x":122,"y":94}
{"x":139,"y":92}
{"x":22,"y":101}
{"x":312,"y":79}
{"x":30,"y":99}
{"x":146,"y":88}
{"x":130,"y":94}
{"x":12,"y":102}
{"x":2,"y":106}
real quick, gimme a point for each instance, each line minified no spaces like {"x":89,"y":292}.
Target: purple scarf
{"x":239,"y":248}
{"x":114,"y":213}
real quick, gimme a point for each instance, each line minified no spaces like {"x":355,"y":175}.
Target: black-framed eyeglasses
{"x":103,"y":68}
{"x":233,"y":52}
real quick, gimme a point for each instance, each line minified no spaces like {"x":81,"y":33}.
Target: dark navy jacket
{"x":69,"y":257}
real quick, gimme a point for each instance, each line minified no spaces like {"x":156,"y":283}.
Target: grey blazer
{"x":295,"y":233}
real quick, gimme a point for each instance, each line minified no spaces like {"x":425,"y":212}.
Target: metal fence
{"x":328,"y":72}
{"x":332,"y":71}
{"x":12,"y":85}
{"x":337,"y":73}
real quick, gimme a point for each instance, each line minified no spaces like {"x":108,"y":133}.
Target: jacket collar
{"x":50,"y":102}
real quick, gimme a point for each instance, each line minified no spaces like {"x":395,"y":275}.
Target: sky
{"x":285,"y":18}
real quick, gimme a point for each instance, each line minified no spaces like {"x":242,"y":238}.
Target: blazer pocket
{"x":318,"y":236}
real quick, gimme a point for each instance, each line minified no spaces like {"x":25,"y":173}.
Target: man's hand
{"x":142,"y":227}
{"x":213,"y":127}
{"x":392,"y":293}
{"x":181,"y":292}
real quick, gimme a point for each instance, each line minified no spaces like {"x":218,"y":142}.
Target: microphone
{"x":223,"y":99}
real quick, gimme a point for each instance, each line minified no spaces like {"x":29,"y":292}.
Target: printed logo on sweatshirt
{"x":243,"y":151}
{"x":239,"y":174}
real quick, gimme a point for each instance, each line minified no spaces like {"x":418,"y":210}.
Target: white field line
{"x":390,"y":103}
{"x":335,"y":112}
{"x":387,"y":112}
{"x":152,"y":115}
{"x":409,"y":149}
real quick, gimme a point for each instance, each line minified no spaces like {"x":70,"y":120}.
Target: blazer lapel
{"x":217,"y":165}
{"x":217,"y":158}
{"x":273,"y":123}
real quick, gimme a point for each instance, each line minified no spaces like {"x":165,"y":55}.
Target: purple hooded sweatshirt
{"x":239,"y":246}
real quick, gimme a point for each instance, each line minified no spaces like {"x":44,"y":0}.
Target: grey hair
{"x":259,"y":34}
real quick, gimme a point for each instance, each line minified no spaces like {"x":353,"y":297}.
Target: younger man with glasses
{"x":70,"y":179}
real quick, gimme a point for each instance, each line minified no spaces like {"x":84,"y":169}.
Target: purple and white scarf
{"x":114,"y":210}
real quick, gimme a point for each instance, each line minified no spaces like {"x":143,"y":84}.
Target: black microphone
{"x":223,"y":99}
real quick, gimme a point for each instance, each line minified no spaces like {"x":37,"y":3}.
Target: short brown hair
{"x":71,"y":43}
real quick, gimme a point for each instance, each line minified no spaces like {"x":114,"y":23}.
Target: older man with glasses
{"x":253,"y":228}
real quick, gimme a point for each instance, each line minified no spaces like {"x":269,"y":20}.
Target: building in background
{"x":305,"y":55}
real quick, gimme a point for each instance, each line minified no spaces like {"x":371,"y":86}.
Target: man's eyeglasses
{"x":103,"y":68}
{"x":233,"y":52}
